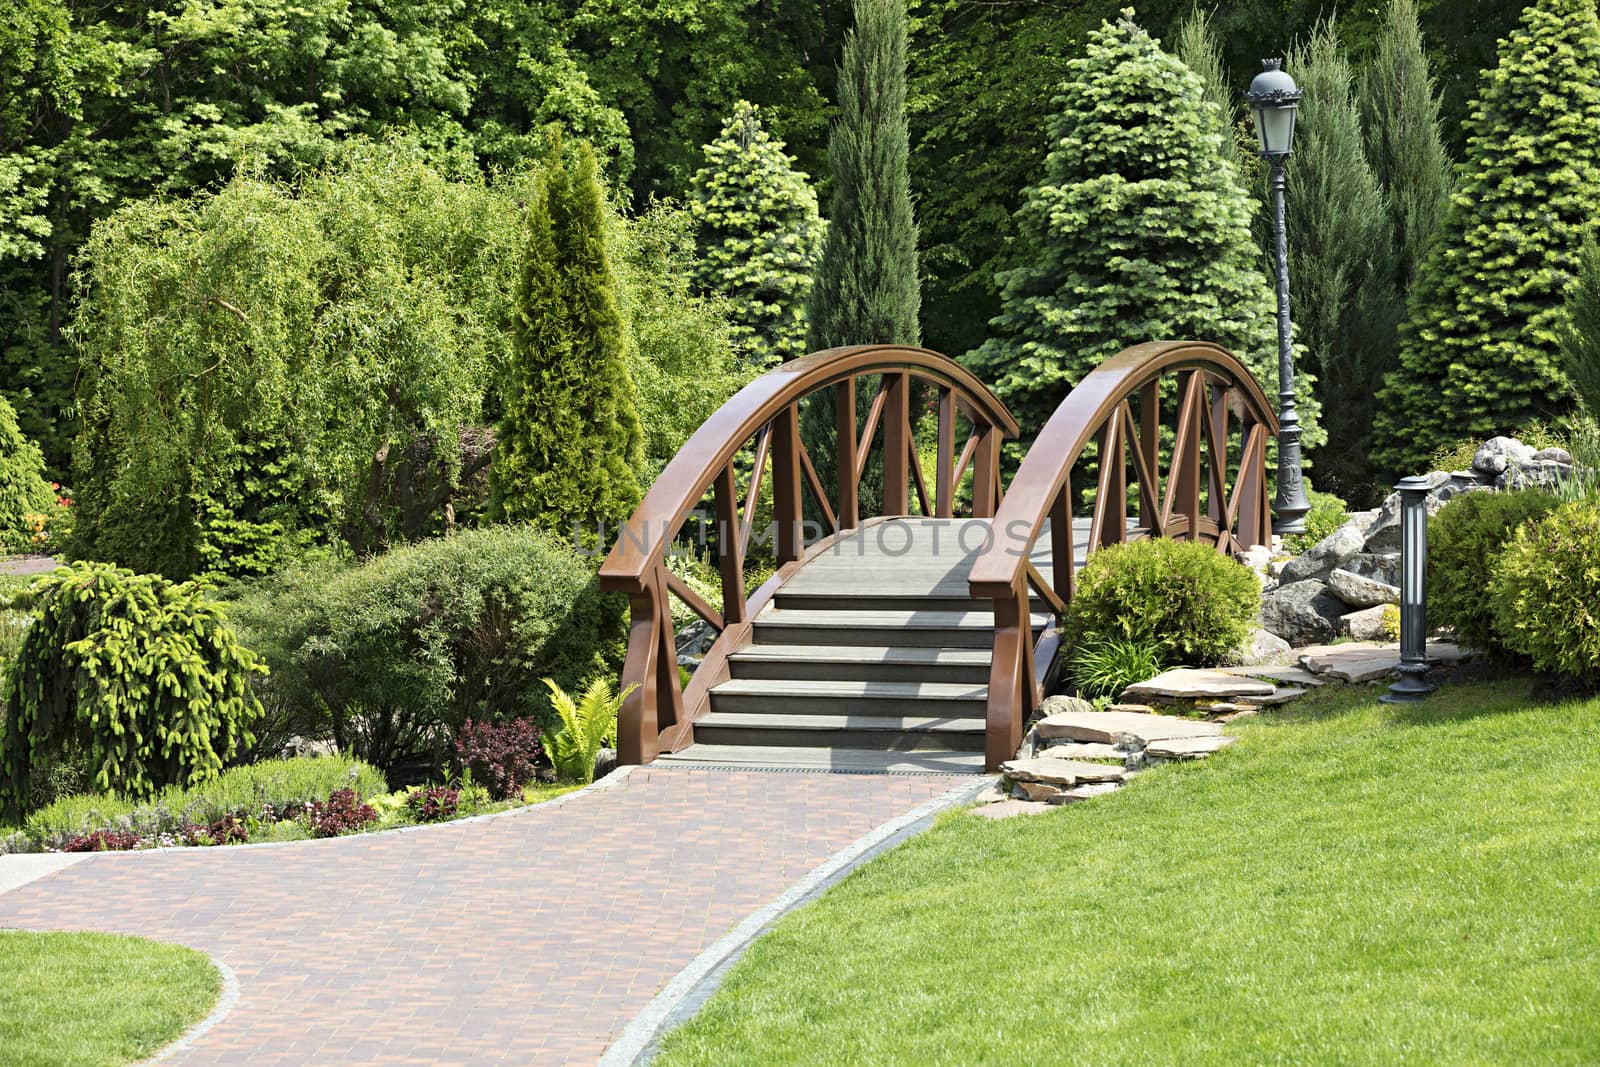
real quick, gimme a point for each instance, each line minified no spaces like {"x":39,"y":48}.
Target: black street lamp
{"x":1273,"y":99}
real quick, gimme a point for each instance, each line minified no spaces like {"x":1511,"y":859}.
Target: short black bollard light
{"x":1412,"y":686}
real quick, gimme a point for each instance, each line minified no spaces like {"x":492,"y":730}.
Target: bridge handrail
{"x":654,"y":715}
{"x":1098,"y":410}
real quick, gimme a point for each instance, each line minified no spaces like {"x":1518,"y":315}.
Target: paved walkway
{"x":528,"y":939}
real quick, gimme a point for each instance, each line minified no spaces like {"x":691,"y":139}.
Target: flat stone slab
{"x":1139,"y":709}
{"x":1007,"y":809}
{"x":1084,"y":750}
{"x":1109,"y":727}
{"x":1087,"y":791}
{"x":1186,"y":683}
{"x":1232,"y":715}
{"x":1278,"y":696}
{"x":1188,"y":747}
{"x":1062,"y":772}
{"x":1358,"y":661}
{"x":1291,"y":675}
{"x":1038,"y":791}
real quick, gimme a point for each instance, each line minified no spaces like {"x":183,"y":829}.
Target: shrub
{"x":341,"y":813}
{"x":501,"y":756}
{"x":1104,"y":667}
{"x":1182,"y":597}
{"x":23,"y":489}
{"x":585,"y":725}
{"x":1464,"y":541}
{"x":1545,"y":591}
{"x":389,"y":658}
{"x":142,"y":676}
{"x":433,"y":803}
{"x":228,"y":830}
{"x":102,"y":841}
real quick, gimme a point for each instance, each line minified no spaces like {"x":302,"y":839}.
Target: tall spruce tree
{"x":1580,"y":334}
{"x":759,"y":235}
{"x":1478,"y":352}
{"x":866,"y":289}
{"x":23,"y":490}
{"x":1341,"y":262}
{"x":1139,"y":231}
{"x":1400,"y":119}
{"x":568,"y":447}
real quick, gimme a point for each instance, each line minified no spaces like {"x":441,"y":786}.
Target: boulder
{"x":1260,"y":649}
{"x":1365,"y":625}
{"x":1361,"y":592}
{"x":1498,"y":453}
{"x":695,"y":639}
{"x":1535,"y":474}
{"x":1553,"y":455}
{"x":1302,"y":613}
{"x":1324,"y":556}
{"x":1380,"y":567}
{"x":1061,"y":704}
{"x":1383,"y":533}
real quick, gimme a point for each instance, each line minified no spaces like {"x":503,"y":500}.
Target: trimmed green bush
{"x":279,"y":784}
{"x":141,"y":676}
{"x":390,"y":657}
{"x":1464,"y":542}
{"x":1545,"y":591}
{"x":1183,"y":597}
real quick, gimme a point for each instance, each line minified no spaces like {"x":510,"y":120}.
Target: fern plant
{"x":586,"y":724}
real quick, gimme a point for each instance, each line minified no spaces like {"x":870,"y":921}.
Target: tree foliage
{"x":569,"y":448}
{"x":1478,"y":352}
{"x":867,"y":290}
{"x":1580,"y":334}
{"x":23,"y":490}
{"x":1341,"y":260}
{"x":759,"y":236}
{"x":142,"y":677}
{"x":1139,"y":230}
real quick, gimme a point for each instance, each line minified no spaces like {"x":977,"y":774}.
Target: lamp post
{"x":1273,"y":99}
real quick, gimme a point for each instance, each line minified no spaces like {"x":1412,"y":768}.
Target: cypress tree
{"x":1139,"y":231}
{"x":1478,"y":353}
{"x":1580,"y":334}
{"x":759,"y":235}
{"x":569,"y":446}
{"x":866,"y":289}
{"x":1400,"y":118}
{"x":23,"y":490}
{"x":1341,"y":261}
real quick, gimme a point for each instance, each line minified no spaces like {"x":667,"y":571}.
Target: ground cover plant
{"x":1399,"y":884}
{"x":93,"y":1000}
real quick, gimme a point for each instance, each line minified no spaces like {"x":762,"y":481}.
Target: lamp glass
{"x":1275,"y":127}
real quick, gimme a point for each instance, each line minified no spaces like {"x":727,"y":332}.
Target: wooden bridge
{"x":919,"y":638}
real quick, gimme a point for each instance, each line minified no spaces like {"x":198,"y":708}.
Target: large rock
{"x":1324,"y":556}
{"x":1361,"y":592}
{"x":1302,"y":613}
{"x":1383,"y":533}
{"x":1260,"y":649}
{"x":1535,"y":474}
{"x":1062,"y":704}
{"x":1367,"y":624}
{"x":1383,"y":568}
{"x":1498,"y":453}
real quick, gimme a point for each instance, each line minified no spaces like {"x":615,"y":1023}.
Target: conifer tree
{"x":1139,"y":231}
{"x":1400,"y":120}
{"x":23,"y":490}
{"x":1341,"y":261}
{"x":569,"y":446}
{"x":1580,"y":334}
{"x":759,"y":235}
{"x":1478,"y":352}
{"x":866,"y":289}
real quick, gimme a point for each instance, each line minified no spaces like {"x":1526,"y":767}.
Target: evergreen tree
{"x":1400,"y":118}
{"x":1478,"y":351}
{"x":1341,"y":261}
{"x":569,"y":446}
{"x":866,"y":289}
{"x":1201,"y":51}
{"x":1580,"y":334}
{"x":759,"y":236}
{"x":23,"y":490}
{"x":1139,"y":231}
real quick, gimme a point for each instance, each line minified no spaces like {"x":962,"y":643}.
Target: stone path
{"x":530,"y":938}
{"x":27,"y":565}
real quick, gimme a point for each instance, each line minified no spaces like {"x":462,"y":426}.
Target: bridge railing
{"x":658,"y":715}
{"x":1213,"y":488}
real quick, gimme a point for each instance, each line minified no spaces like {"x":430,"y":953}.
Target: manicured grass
{"x":79,"y":999}
{"x":1351,"y":883}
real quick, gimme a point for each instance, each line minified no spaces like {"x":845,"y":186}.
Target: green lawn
{"x":78,"y":999}
{"x":1351,"y":883}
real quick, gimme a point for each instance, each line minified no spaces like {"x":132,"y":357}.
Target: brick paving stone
{"x":529,"y":939}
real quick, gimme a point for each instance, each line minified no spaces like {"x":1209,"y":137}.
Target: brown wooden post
{"x":786,"y":489}
{"x":669,"y":684}
{"x":730,"y":547}
{"x":945,"y":470}
{"x":638,"y":728}
{"x":896,"y":441}
{"x":1216,"y":502}
{"x":1061,"y":552}
{"x":986,"y":475}
{"x":1150,"y":444}
{"x":1254,"y":519}
{"x":1186,"y":450}
{"x":844,"y":423}
{"x":1112,"y":500}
